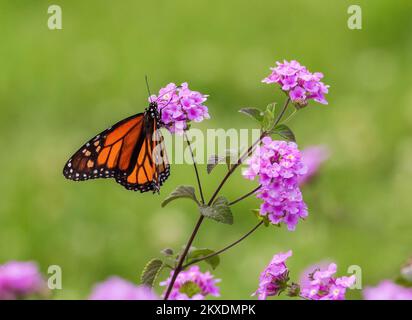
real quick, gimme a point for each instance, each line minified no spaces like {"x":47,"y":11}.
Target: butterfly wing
{"x":109,"y":154}
{"x":152,"y":167}
{"x":162,"y":162}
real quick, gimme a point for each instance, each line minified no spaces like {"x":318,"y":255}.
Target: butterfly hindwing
{"x":151,"y":168}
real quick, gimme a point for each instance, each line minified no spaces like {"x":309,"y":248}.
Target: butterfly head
{"x":152,"y":112}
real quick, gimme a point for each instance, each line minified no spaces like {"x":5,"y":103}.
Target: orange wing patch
{"x":114,"y":154}
{"x":144,"y":170}
{"x":121,"y":131}
{"x":102,"y":157}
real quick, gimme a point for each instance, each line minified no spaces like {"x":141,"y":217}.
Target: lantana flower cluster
{"x":19,"y":280}
{"x":278,"y":165}
{"x":274,"y":278}
{"x":192,"y":284}
{"x":318,"y":285}
{"x":313,"y":157}
{"x":322,"y":285}
{"x":300,"y":84}
{"x":387,"y":290}
{"x":178,"y":106}
{"x":116,"y":288}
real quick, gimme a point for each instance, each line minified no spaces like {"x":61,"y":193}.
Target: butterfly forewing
{"x":108,"y":154}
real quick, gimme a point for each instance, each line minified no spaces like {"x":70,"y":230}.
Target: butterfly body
{"x":131,"y":151}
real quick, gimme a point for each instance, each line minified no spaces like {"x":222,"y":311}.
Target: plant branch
{"x":195,"y":230}
{"x":280,"y":115}
{"x":183,"y":257}
{"x":195,"y":166}
{"x":290,"y":116}
{"x":201,"y":218}
{"x":234,"y":167}
{"x":225,"y":248}
{"x":245,"y":196}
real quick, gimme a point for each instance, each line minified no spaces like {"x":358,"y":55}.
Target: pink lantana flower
{"x":278,"y":166}
{"x":178,"y":106}
{"x":19,"y":280}
{"x":300,"y":84}
{"x":322,"y":285}
{"x":273,"y":280}
{"x":192,"y":284}
{"x":313,"y":157}
{"x":116,"y":288}
{"x":387,"y":290}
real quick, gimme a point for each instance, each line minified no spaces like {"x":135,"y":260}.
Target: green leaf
{"x":284,"y":131}
{"x":199,"y":253}
{"x":219,"y":211}
{"x":254,"y":113}
{"x":190,"y":289}
{"x":406,"y":272}
{"x":265,"y":219}
{"x":214,"y":160}
{"x":269,"y":117}
{"x":231,"y":155}
{"x":272,"y":108}
{"x":268,"y":120}
{"x":403,"y":282}
{"x":151,"y":271}
{"x":167,"y":252}
{"x":187,"y":192}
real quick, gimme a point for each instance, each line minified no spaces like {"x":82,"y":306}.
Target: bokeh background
{"x":58,"y":88}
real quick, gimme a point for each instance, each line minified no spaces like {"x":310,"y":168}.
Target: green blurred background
{"x":58,"y":88}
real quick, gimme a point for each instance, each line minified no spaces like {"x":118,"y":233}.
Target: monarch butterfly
{"x":131,"y":151}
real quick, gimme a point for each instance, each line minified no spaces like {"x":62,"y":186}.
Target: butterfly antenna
{"x":148,"y":89}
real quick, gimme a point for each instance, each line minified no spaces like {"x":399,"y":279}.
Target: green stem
{"x":225,"y":248}
{"x":183,"y":257}
{"x":245,"y":196}
{"x":195,"y":230}
{"x":280,"y":115}
{"x":195,"y":166}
